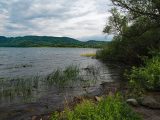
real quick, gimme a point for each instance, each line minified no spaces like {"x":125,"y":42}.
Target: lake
{"x":24,"y":90}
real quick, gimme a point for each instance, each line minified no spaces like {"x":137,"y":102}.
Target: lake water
{"x":19,"y":62}
{"x":23,"y":89}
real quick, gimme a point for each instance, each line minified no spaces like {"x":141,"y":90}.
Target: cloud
{"x":73,"y":18}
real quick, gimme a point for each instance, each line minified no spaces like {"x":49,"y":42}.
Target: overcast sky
{"x":81,"y":19}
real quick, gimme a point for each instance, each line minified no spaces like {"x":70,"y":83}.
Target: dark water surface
{"x":23,"y":89}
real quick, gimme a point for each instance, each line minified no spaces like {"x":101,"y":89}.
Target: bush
{"x":118,"y":50}
{"x":110,"y":108}
{"x":148,"y":77}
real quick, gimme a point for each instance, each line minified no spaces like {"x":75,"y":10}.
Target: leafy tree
{"x":136,"y":26}
{"x":117,"y":23}
{"x":138,"y":8}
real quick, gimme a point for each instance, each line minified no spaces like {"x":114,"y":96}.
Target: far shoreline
{"x":51,"y":47}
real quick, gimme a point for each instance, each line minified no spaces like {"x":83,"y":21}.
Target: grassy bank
{"x":109,"y":108}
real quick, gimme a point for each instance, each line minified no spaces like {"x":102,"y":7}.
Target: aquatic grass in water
{"x":72,"y":75}
{"x":63,"y":77}
{"x":110,"y":108}
{"x":89,"y":54}
{"x":26,"y":89}
{"x":18,"y":88}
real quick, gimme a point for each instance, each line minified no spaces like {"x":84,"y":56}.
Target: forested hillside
{"x":45,"y":41}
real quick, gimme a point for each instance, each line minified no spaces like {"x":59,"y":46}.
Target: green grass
{"x":110,"y":108}
{"x":89,"y":55}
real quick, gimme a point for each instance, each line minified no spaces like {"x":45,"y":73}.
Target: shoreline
{"x":107,"y":89}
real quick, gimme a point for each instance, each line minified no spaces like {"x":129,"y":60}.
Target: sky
{"x":80,"y":19}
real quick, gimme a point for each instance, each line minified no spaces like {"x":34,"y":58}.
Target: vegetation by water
{"x":10,"y":89}
{"x":136,"y":42}
{"x":146,"y":77}
{"x":110,"y":108}
{"x":46,"y":41}
{"x":137,"y":39}
{"x":63,"y":77}
{"x":28,"y":88}
{"x":89,"y":55}
{"x":136,"y":29}
{"x":73,"y":75}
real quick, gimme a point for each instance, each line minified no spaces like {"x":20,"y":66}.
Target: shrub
{"x":147,"y":77}
{"x":110,"y":108}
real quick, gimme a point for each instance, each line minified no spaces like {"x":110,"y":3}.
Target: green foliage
{"x":117,"y":23}
{"x":136,"y":33}
{"x":110,"y":108}
{"x":136,"y":8}
{"x":114,"y":51}
{"x":145,"y":78}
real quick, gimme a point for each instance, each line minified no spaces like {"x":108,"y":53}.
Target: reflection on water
{"x":40,"y":78}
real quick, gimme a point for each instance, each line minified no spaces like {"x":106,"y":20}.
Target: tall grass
{"x":72,"y":75}
{"x":18,"y":87}
{"x":63,"y":77}
{"x":110,"y":108}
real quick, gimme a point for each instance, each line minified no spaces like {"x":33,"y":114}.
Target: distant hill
{"x":46,"y":41}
